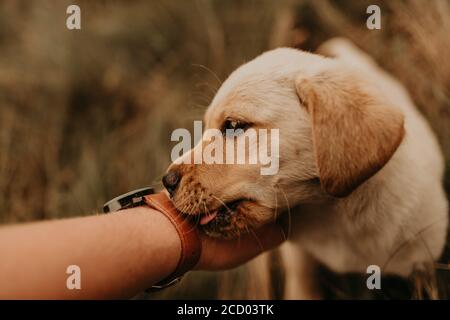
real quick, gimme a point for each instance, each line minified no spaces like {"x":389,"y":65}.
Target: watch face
{"x":128,"y":200}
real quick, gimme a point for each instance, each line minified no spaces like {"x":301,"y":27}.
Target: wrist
{"x":188,"y":244}
{"x":158,"y":234}
{"x":189,"y":239}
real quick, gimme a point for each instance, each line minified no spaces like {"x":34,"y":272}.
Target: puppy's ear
{"x":354,"y":133}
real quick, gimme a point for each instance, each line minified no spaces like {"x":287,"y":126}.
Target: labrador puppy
{"x":360,"y":171}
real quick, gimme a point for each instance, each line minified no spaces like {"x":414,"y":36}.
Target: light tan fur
{"x":360,"y":170}
{"x":354,"y":132}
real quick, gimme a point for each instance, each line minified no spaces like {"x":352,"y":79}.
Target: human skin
{"x":119,"y":254}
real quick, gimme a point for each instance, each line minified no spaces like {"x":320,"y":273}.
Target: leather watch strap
{"x":191,"y":245}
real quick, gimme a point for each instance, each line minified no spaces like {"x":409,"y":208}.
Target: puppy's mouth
{"x":224,"y":213}
{"x":227,"y":221}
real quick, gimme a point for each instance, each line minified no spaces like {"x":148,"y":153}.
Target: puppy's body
{"x":396,"y":219}
{"x":360,"y":170}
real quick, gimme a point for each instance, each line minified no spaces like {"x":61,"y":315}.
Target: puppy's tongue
{"x":207,"y":218}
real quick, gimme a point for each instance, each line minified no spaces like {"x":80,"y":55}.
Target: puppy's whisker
{"x":189,"y":208}
{"x":210,"y":87}
{"x":222,"y":202}
{"x":207,"y":212}
{"x":209,"y":70}
{"x":184,"y":204}
{"x":276,"y":203}
{"x":193,"y":209}
{"x":197,"y":216}
{"x":289,"y":212}
{"x":181,"y":206}
{"x":197,"y":206}
{"x":253,"y":233}
{"x":201,"y":100}
{"x":197,"y":220}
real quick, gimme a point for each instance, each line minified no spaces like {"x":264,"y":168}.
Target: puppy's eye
{"x":233,"y":125}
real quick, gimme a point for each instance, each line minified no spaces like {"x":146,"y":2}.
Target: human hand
{"x":220,"y":254}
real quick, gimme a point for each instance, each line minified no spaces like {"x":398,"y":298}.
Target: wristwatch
{"x":190,"y":241}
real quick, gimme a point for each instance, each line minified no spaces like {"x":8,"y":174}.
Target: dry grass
{"x":87,"y":115}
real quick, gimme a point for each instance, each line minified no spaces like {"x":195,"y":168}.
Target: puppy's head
{"x":334,"y":133}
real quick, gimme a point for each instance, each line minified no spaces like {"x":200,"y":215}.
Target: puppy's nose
{"x":170,"y":181}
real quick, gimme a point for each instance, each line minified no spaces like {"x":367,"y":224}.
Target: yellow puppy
{"x":359,"y":168}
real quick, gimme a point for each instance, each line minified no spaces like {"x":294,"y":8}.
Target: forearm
{"x":119,"y":255}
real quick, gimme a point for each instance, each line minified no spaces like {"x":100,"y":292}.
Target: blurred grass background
{"x":87,"y":115}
